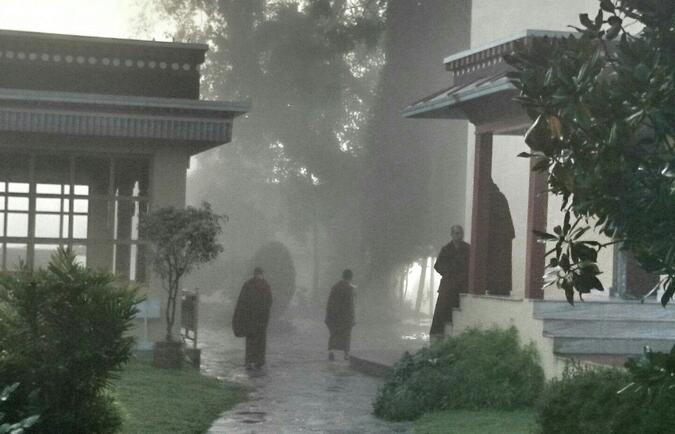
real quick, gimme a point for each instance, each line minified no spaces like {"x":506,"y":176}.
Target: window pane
{"x":2,"y":202}
{"x":80,"y":226}
{"x":47,"y":225}
{"x":52,"y":204}
{"x":66,"y":219}
{"x":2,"y":187}
{"x":17,"y":203}
{"x":66,"y":189}
{"x":80,"y":205}
{"x":48,"y":188}
{"x":18,"y":187}
{"x":43,"y":254}
{"x":16,"y":254}
{"x":2,"y":225}
{"x":17,"y":224}
{"x":81,"y":190}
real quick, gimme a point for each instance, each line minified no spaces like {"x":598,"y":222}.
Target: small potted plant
{"x":180,"y":241}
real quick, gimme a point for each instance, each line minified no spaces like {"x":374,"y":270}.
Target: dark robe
{"x":500,"y":241}
{"x":340,"y":316}
{"x":453,"y":265}
{"x":251,"y":317}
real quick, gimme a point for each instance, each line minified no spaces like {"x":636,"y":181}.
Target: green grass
{"x":171,"y":401}
{"x":477,"y":422}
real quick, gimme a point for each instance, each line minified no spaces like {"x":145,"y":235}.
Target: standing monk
{"x":251,"y":317}
{"x":340,"y":315}
{"x":453,"y":265}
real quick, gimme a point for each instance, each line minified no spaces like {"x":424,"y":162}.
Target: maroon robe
{"x":500,"y":242}
{"x":251,"y":317}
{"x":340,"y":316}
{"x":453,"y":265}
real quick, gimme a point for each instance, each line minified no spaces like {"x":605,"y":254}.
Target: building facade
{"x":95,"y":132}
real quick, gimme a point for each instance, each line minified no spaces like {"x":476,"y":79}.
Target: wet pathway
{"x":299,"y":391}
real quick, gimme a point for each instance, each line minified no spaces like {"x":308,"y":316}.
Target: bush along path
{"x":478,"y":370}
{"x":299,"y":391}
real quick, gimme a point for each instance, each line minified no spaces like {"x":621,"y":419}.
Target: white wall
{"x":498,"y":19}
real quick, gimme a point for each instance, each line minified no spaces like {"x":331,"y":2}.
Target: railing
{"x":189,"y":316}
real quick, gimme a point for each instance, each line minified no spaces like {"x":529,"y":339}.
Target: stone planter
{"x":168,"y":355}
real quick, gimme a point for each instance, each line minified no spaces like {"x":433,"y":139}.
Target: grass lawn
{"x":477,"y":422}
{"x":167,"y":401}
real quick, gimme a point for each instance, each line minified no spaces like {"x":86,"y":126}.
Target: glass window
{"x":16,"y":255}
{"x":16,"y":203}
{"x":43,"y":254}
{"x":17,"y":224}
{"x":51,"y":204}
{"x":47,"y":225}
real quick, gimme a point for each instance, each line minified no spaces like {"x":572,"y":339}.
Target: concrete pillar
{"x":480,"y":217}
{"x":535,"y":262}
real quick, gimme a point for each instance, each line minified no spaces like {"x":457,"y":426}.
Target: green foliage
{"x":476,"y":370}
{"x":595,"y":401}
{"x":603,"y":104}
{"x":277,"y":262}
{"x":18,"y":427}
{"x":477,"y":422}
{"x":64,"y":337}
{"x":180,"y":241}
{"x":171,"y":401}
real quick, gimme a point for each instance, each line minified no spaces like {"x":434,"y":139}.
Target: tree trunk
{"x":420,"y":286}
{"x":432,"y":286}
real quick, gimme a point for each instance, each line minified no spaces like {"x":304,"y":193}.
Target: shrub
{"x":587,"y":401}
{"x":63,"y":338}
{"x":479,"y":369}
{"x":17,"y":427}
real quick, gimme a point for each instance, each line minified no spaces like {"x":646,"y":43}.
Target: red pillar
{"x":537,"y":207}
{"x":480,"y":217}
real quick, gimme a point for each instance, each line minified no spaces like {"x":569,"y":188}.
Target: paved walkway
{"x":299,"y":391}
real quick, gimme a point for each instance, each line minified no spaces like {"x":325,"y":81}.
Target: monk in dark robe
{"x":500,"y":242}
{"x":340,"y":315}
{"x":453,"y":265}
{"x":251,"y":317}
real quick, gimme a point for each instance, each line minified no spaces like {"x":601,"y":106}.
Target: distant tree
{"x":309,"y":68}
{"x":180,"y":241}
{"x":603,"y":105}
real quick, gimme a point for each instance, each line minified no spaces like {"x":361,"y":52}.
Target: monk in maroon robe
{"x":251,"y":317}
{"x":500,"y":241}
{"x":453,"y":265}
{"x":340,"y":315}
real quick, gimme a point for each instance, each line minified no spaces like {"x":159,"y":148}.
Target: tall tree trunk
{"x":420,"y":286}
{"x":400,"y":153}
{"x":432,"y":286}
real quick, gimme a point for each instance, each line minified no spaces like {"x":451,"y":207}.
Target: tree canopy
{"x":603,"y":105}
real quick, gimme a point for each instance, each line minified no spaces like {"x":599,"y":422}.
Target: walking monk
{"x":340,"y":315}
{"x":453,"y":265}
{"x":251,"y":317}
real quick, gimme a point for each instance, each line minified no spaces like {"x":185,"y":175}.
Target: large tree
{"x":309,"y":68}
{"x":603,"y":105}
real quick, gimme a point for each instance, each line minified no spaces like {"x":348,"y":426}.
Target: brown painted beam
{"x":537,"y":210}
{"x":480,"y":217}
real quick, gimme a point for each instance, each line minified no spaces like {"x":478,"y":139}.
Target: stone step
{"x":568,"y":346}
{"x":627,"y":329}
{"x":621,"y":310}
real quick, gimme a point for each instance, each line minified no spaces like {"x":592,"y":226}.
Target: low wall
{"x":484,"y":311}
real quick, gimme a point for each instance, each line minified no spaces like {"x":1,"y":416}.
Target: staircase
{"x":606,"y":331}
